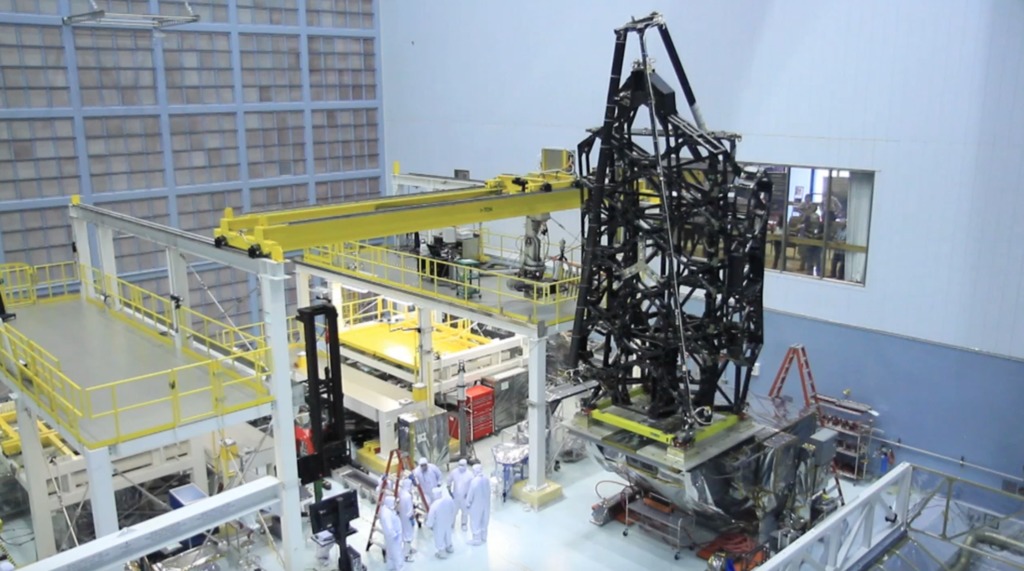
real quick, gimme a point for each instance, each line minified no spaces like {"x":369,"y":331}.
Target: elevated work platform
{"x":114,"y":369}
{"x":485,"y":293}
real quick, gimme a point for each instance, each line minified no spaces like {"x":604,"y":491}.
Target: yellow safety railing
{"x":127,"y":409}
{"x":16,"y":284}
{"x":38,"y":376}
{"x":187,"y":394}
{"x":56,"y":281}
{"x":202,"y":331}
{"x":497,"y":246}
{"x":488,"y":291}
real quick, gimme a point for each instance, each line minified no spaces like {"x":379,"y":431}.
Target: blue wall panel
{"x":939,"y":398}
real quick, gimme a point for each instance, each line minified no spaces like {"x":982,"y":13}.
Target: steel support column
{"x":177,"y":272}
{"x":302,"y":293}
{"x":101,"y":491}
{"x":80,"y":238}
{"x":108,"y":261}
{"x":272,"y":288}
{"x":536,"y":414}
{"x":35,"y":467}
{"x":426,"y":330}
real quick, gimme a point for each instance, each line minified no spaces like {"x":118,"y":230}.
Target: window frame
{"x":780,"y":256}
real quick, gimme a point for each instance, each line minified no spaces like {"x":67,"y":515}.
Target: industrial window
{"x":276,"y":144}
{"x":345,"y":140}
{"x":37,"y":159}
{"x":340,"y":13}
{"x":270,"y":68}
{"x":280,"y":12}
{"x":201,"y":213}
{"x":279,"y":197}
{"x":34,"y":73}
{"x":36,"y":237}
{"x":207,"y":10}
{"x":115,"y":67}
{"x":125,"y":153}
{"x":205,"y":148}
{"x":820,"y":221}
{"x":337,"y":191}
{"x":134,"y":254}
{"x":198,"y":67}
{"x":342,"y":69}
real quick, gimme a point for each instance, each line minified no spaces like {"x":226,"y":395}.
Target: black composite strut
{"x":670,"y":294}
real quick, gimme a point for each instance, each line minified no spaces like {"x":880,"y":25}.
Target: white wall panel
{"x":925,"y":93}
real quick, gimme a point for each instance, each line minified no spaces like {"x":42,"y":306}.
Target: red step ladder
{"x":402,"y":463}
{"x":797,"y":354}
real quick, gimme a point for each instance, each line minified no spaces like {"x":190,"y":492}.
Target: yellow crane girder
{"x":507,"y":196}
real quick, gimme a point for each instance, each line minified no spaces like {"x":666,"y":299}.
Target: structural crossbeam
{"x":274,"y":233}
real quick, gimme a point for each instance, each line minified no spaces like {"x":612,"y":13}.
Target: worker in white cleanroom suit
{"x":478,"y":502}
{"x":384,"y":484}
{"x":441,"y":519}
{"x":458,"y":483}
{"x":391,"y":526}
{"x":428,"y":476}
{"x":407,"y":513}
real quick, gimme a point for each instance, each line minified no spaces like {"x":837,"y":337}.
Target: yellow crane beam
{"x":507,"y":196}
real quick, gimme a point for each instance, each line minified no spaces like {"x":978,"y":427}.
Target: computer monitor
{"x":335,"y":513}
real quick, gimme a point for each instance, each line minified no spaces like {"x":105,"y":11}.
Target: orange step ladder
{"x":797,"y":354}
{"x":403,"y":463}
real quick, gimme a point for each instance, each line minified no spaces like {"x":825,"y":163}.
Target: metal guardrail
{"x":239,"y":359}
{"x":534,"y":301}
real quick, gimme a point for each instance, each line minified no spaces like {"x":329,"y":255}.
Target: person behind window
{"x":811,"y":229}
{"x":838,"y":266}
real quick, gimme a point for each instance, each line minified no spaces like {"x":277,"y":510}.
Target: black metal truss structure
{"x":673,"y":269}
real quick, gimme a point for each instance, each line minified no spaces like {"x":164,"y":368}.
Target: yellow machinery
{"x":507,"y":196}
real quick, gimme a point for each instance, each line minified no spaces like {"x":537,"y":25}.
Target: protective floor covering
{"x":95,"y":348}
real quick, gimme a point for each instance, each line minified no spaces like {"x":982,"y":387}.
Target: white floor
{"x":559,"y":537}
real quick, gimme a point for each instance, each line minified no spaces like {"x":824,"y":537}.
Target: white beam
{"x":108,"y":264}
{"x":272,"y":289}
{"x":185,"y":242}
{"x":825,"y":545}
{"x":302,"y":293}
{"x":148,"y":536}
{"x":101,"y":491}
{"x":80,"y":236}
{"x":177,"y":273}
{"x":536,"y":413}
{"x":36,"y":471}
{"x":197,"y":456}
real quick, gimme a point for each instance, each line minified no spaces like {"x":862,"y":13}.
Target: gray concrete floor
{"x":95,"y":348}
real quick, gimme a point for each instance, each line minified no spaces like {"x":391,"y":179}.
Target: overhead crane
{"x":272,"y":234}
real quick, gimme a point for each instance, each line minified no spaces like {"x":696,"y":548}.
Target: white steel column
{"x":197,"y":456}
{"x":101,"y":491}
{"x":80,"y":236}
{"x":35,"y":468}
{"x":272,"y":289}
{"x":425,"y":318}
{"x":177,"y":273}
{"x":108,"y":261}
{"x":338,"y":299}
{"x":302,"y":294}
{"x":536,"y":413}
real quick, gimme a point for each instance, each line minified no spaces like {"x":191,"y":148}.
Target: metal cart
{"x":671,"y":525}
{"x":510,"y":461}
